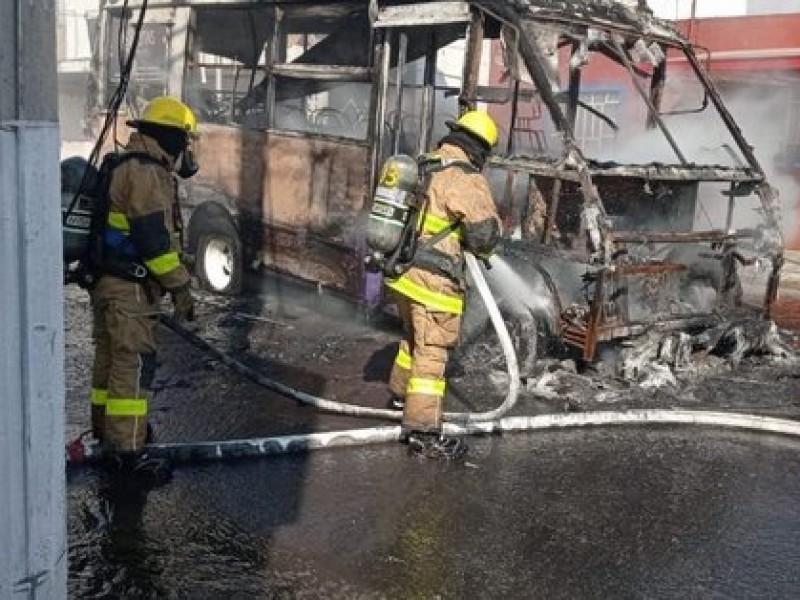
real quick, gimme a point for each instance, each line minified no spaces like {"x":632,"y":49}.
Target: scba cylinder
{"x":77,"y":224}
{"x":393,"y":199}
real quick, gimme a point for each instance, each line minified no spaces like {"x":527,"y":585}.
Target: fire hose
{"x":488,"y":422}
{"x":181,"y":452}
{"x":364,"y":411}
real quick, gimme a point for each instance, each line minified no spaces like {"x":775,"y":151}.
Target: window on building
{"x":594,"y":134}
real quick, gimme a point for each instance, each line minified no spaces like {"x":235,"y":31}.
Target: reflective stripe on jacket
{"x":443,"y":302}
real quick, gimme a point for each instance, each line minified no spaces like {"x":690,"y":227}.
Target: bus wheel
{"x":219,"y":258}
{"x":480,"y":345}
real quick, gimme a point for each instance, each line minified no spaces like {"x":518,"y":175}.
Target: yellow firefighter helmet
{"x":479,"y":124}
{"x":168,"y":111}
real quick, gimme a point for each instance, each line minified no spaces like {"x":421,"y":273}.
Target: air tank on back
{"x":393,"y":199}
{"x":76,"y":225}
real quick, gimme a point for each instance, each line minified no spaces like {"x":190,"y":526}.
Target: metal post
{"x":33,"y":549}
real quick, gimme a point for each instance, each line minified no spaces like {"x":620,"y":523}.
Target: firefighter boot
{"x":396,"y":402}
{"x":144,"y":469}
{"x":125,"y":433}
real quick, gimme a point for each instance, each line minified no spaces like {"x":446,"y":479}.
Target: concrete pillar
{"x":33,"y":548}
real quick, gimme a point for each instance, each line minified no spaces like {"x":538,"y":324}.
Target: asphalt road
{"x":601,"y":513}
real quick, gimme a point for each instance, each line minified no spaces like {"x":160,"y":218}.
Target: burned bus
{"x":628,"y":193}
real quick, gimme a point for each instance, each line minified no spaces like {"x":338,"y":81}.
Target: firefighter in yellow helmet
{"x":139,"y":264}
{"x":461,"y":215}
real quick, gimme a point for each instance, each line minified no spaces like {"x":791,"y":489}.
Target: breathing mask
{"x":187,"y":165}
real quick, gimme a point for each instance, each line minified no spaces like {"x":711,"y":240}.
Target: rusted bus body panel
{"x":629,"y":299}
{"x":313,"y":259}
{"x":633,"y":299}
{"x":299,"y":200}
{"x":586,"y":338}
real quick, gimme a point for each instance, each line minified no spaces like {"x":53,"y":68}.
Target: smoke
{"x":763,"y":112}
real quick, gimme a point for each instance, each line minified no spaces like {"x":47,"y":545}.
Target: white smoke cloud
{"x":761,"y":111}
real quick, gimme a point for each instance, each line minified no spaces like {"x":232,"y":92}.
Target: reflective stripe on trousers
{"x":424,"y":405}
{"x":426,"y":386}
{"x":401,"y":370}
{"x":126,"y":407}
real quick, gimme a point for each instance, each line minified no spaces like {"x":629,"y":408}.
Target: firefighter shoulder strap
{"x":422,"y":253}
{"x":97,"y":259}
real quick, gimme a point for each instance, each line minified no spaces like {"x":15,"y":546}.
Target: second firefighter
{"x":430,"y":294}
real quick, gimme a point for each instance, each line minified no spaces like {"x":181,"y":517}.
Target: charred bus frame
{"x":292,"y":195}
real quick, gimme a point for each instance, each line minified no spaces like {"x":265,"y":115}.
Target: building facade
{"x":75,"y":26}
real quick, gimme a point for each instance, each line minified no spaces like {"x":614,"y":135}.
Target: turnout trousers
{"x":123,"y":330}
{"x":418,"y":371}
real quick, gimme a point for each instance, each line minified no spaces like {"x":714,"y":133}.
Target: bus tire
{"x":218,"y":258}
{"x":480,"y":344}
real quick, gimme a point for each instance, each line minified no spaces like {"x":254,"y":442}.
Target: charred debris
{"x":662,"y":245}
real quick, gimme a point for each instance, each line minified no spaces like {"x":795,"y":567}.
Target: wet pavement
{"x":633,"y":512}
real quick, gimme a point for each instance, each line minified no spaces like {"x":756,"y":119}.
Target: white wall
{"x":766,"y":7}
{"x":73,"y":46}
{"x":682,"y":9}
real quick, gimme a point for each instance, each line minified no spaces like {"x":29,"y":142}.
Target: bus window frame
{"x":277,"y":67}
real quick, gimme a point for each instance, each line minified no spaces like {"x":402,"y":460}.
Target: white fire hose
{"x":488,"y":422}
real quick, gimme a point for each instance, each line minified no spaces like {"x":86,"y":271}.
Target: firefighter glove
{"x":183,"y":301}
